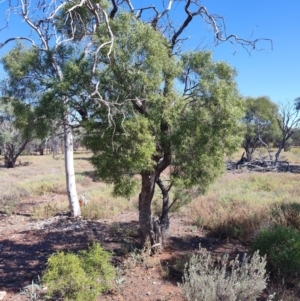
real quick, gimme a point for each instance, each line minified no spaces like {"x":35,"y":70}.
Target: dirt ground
{"x":26,"y":244}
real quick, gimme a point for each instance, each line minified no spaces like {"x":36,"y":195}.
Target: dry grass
{"x":239,"y":205}
{"x":42,"y":177}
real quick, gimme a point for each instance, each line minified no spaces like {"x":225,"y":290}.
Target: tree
{"x":260,"y":122}
{"x":289,"y":124}
{"x":158,"y":129}
{"x":58,"y":57}
{"x":125,"y":93}
{"x":16,"y":129}
{"x":297,"y":103}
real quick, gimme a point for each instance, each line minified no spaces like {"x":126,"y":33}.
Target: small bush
{"x":95,"y":263}
{"x":282,"y":247}
{"x":223,"y":280}
{"x":79,"y":277}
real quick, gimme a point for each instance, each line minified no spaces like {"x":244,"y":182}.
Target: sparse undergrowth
{"x":237,"y":206}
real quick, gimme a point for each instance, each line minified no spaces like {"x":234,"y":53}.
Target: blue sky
{"x":274,"y":73}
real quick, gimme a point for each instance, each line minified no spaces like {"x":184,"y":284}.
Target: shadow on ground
{"x":25,"y":249}
{"x":23,"y":256}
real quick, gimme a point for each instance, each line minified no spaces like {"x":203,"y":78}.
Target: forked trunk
{"x":145,"y":198}
{"x":280,"y":148}
{"x":249,"y":155}
{"x":164,"y":217}
{"x":11,"y":155}
{"x":70,"y":173}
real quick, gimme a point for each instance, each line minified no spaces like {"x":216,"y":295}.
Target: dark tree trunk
{"x":41,"y":150}
{"x":164,"y":217}
{"x":145,"y":199}
{"x":249,"y":154}
{"x":10,"y":164}
{"x":11,"y":156}
{"x":280,"y":148}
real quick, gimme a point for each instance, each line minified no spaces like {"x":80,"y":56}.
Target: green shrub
{"x":222,"y":280}
{"x":79,"y":277}
{"x":95,"y":262}
{"x":282,"y":247}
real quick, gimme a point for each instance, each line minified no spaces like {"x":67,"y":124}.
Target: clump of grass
{"x":236,"y":219}
{"x":42,"y":188}
{"x":286,"y":214}
{"x":102,"y":204}
{"x":83,"y":180}
{"x":10,"y":198}
{"x":8,"y":203}
{"x":98,"y":210}
{"x":49,"y":209}
{"x":135,"y":258}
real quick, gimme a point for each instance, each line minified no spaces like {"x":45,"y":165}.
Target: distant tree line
{"x":270,"y":125}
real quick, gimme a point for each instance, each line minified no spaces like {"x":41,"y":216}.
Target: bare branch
{"x":114,"y":10}
{"x":130,"y":5}
{"x":16,"y":39}
{"x":160,"y":15}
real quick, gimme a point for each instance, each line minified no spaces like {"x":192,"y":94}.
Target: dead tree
{"x":289,"y":123}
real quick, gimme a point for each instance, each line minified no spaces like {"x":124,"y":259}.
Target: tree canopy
{"x":176,"y":112}
{"x":17,"y":128}
{"x":146,"y":107}
{"x":260,"y":124}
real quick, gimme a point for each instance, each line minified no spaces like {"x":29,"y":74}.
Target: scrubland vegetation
{"x":114,"y":79}
{"x":259,"y":210}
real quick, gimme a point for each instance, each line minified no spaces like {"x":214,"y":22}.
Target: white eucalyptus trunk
{"x":70,"y":171}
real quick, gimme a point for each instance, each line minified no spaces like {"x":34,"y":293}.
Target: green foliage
{"x":16,"y":128}
{"x":200,"y":124}
{"x":81,"y":20}
{"x":29,"y":76}
{"x":224,"y":280}
{"x":19,"y":62}
{"x":205,"y":128}
{"x":281,"y":245}
{"x":129,"y":152}
{"x":259,"y":122}
{"x":16,"y":121}
{"x":95,"y":263}
{"x":79,"y":277}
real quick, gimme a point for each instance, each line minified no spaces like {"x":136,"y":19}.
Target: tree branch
{"x":114,"y":10}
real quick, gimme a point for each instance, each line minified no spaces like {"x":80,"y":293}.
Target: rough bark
{"x":164,"y":217}
{"x":145,"y":199}
{"x":280,"y":148}
{"x":70,"y":172}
